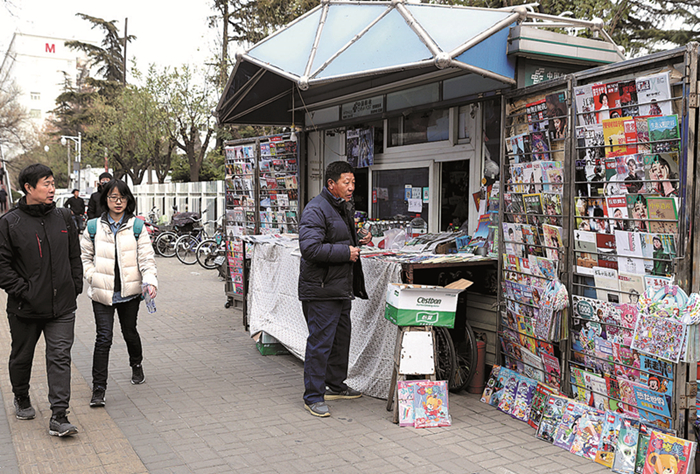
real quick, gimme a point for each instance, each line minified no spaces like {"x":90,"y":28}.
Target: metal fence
{"x":186,"y":197}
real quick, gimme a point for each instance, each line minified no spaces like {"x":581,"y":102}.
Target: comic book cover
{"x":659,"y":337}
{"x":430,"y":404}
{"x":566,"y":431}
{"x":588,"y":432}
{"x":662,"y":209}
{"x":653,"y":407}
{"x":523,"y":399}
{"x":628,"y":97}
{"x":509,"y":391}
{"x":654,"y":94}
{"x":539,"y":141}
{"x":666,"y":453}
{"x":663,"y":134}
{"x":551,"y":417}
{"x":539,"y":401}
{"x":491,"y":385}
{"x":626,"y":449}
{"x":645,"y":430}
{"x":608,"y":440}
{"x":656,"y":374}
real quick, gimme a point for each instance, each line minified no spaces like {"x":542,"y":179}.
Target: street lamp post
{"x":78,"y":145}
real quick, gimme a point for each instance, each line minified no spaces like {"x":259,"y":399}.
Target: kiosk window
{"x":419,"y":127}
{"x":454,"y":205}
{"x":391,"y":188}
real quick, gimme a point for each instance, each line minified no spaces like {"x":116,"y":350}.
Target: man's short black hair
{"x":338,"y":168}
{"x":124,"y":190}
{"x":106,"y":175}
{"x":32,"y":174}
{"x":75,"y":190}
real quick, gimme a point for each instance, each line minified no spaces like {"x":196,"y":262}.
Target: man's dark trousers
{"x":327,"y":348}
{"x":58,"y":335}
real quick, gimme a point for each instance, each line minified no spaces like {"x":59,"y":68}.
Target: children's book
{"x":491,"y":385}
{"x":662,"y":209}
{"x":588,"y":432}
{"x":539,"y":401}
{"x":430,"y":404}
{"x":510,"y":388}
{"x":523,"y":399}
{"x":659,"y":337}
{"x":654,"y":94}
{"x":566,"y":431}
{"x":551,"y":417}
{"x":552,"y":370}
{"x":553,"y":241}
{"x":503,"y":374}
{"x":405,"y":392}
{"x":668,"y":454}
{"x":626,"y":449}
{"x":608,"y":440}
{"x":663,"y":134}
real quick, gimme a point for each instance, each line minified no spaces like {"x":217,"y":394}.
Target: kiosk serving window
{"x":391,"y":189}
{"x":419,"y":127}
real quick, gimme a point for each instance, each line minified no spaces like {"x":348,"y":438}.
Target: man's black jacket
{"x":95,"y":209}
{"x":326,"y":231}
{"x":40,"y":267}
{"x":76,"y":205}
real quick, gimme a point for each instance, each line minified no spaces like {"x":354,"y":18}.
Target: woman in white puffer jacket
{"x":115,"y":265}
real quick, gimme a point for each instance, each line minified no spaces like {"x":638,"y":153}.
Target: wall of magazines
{"x":262,"y":197}
{"x":600,"y":194}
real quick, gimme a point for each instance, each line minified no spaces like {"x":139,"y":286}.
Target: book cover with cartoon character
{"x":668,"y":454}
{"x":430,"y":404}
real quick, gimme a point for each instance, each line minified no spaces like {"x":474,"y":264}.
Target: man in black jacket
{"x":95,"y":209}
{"x":329,"y":279}
{"x":41,"y":272}
{"x":77,"y":208}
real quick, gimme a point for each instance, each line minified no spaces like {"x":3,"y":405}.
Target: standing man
{"x":77,"y":207}
{"x":95,"y":209}
{"x":41,"y":272}
{"x":3,"y":199}
{"x":329,"y":279}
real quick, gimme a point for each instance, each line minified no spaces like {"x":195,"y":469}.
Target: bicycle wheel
{"x":207,"y":252}
{"x":465,"y":354}
{"x":165,"y":244}
{"x":445,"y":362}
{"x":185,"y":249}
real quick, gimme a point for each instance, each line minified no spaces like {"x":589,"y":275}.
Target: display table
{"x":274,"y":307}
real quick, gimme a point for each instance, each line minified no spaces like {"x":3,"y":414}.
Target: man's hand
{"x":354,"y":253}
{"x":365,"y":237}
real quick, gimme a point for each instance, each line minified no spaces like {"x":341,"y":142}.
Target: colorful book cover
{"x":533,"y":207}
{"x":662,"y":209}
{"x":668,"y":454}
{"x":630,"y":127}
{"x":430,"y":404}
{"x":552,"y":370}
{"x":617,"y":210}
{"x":608,"y":440}
{"x":491,"y":385}
{"x":509,"y":391}
{"x":661,"y":173}
{"x":552,"y":239}
{"x":503,"y":374}
{"x":642,"y":126}
{"x":551,"y":417}
{"x":615,"y":138}
{"x":626,"y":449}
{"x":588,"y":432}
{"x":654,"y":94}
{"x":540,"y":145}
{"x":601,"y":101}
{"x":539,"y":401}
{"x":637,"y":209}
{"x":628,"y":97}
{"x":523,"y":399}
{"x":566,"y":431}
{"x":653,"y":406}
{"x":405,"y":396}
{"x":663,"y":134}
{"x":659,"y":337}
{"x":595,"y":387}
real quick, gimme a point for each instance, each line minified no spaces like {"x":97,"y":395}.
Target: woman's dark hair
{"x":32,"y":174}
{"x":338,"y":168}
{"x":124,"y":190}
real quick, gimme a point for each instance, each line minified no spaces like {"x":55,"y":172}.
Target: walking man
{"x":95,"y":208}
{"x":41,"y":272}
{"x":329,"y":279}
{"x":3,"y":199}
{"x":77,"y":208}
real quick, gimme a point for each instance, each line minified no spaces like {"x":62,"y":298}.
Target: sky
{"x":168,"y":33}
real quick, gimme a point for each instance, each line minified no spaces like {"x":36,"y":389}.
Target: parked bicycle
{"x":182,"y":224}
{"x":186,"y":245}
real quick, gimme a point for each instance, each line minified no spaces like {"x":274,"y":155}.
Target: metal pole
{"x":80,"y":147}
{"x":69,"y":167}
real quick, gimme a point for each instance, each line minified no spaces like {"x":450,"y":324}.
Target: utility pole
{"x":126,"y":40}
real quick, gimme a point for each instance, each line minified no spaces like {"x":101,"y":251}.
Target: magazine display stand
{"x":262,"y":197}
{"x":534,"y":225}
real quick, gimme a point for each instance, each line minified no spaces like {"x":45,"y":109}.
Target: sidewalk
{"x":212,"y":404}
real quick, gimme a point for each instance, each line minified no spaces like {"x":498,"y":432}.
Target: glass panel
{"x":455,"y":195}
{"x":412,"y":97}
{"x":330,"y":114}
{"x":466,"y":119}
{"x":390,"y":190}
{"x":419,"y":127}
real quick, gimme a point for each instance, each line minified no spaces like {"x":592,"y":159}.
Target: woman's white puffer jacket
{"x":137,"y":262}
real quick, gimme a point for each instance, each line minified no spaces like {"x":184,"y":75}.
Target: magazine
{"x":586,"y":251}
{"x":663,"y":134}
{"x":660,"y":170}
{"x":659,"y":337}
{"x":654,"y":94}
{"x":637,"y":209}
{"x":491,"y":385}
{"x":642,"y":126}
{"x":523,"y":399}
{"x":608,"y":440}
{"x":566,"y":431}
{"x":539,"y":401}
{"x":533,"y":207}
{"x":615,"y":138}
{"x":666,"y":453}
{"x":607,"y":284}
{"x":626,"y":449}
{"x":430,"y":404}
{"x":540,"y":145}
{"x":628,"y":97}
{"x":551,"y":235}
{"x":551,"y":417}
{"x":662,"y":209}
{"x":585,"y":105}
{"x":588,"y":433}
{"x":509,"y":391}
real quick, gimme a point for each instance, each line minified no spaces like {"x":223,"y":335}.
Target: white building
{"x":40,"y":66}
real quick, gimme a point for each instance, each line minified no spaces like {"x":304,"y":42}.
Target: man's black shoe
{"x":347,"y":394}
{"x":60,"y":426}
{"x":98,"y":397}
{"x":23,"y":408}
{"x":137,"y":376}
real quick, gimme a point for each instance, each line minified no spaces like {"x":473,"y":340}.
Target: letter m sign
{"x":50,"y":48}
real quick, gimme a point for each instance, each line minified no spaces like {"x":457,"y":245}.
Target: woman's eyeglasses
{"x":116,"y":198}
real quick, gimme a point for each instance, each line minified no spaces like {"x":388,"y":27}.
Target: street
{"x":211,"y":404}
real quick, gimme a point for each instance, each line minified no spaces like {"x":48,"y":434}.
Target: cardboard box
{"x":423,"y":305}
{"x":268,"y":345}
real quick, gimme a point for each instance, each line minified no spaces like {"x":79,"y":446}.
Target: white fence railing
{"x":188,"y":197}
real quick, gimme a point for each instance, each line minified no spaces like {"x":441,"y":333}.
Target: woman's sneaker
{"x":98,"y":397}
{"x":60,"y":426}
{"x":137,"y":376}
{"x":23,"y":408}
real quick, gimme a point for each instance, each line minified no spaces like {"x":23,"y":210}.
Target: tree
{"x":640,"y":26}
{"x":187,"y":101}
{"x":14,"y":119}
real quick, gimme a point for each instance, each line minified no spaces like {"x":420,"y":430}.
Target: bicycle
{"x":211,"y":253}
{"x":164,"y":244}
{"x":186,"y":245}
